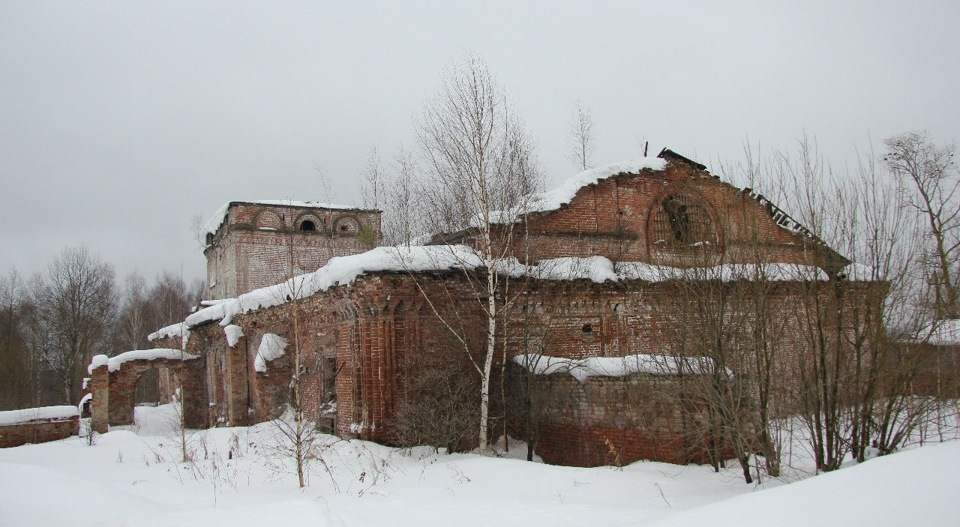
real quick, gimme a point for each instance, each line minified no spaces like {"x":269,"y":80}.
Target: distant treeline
{"x":52,"y":323}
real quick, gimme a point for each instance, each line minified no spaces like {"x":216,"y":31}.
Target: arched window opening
{"x":308,"y":226}
{"x":681,"y":221}
{"x":346,"y":226}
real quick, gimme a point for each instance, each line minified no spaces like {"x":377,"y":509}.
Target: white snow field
{"x":239,"y":477}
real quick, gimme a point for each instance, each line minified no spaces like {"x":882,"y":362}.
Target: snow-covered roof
{"x":44,"y":413}
{"x":114,"y":363}
{"x":344,"y":270}
{"x":563,"y":194}
{"x":582,"y":369}
{"x":340,"y":270}
{"x":220,"y":215}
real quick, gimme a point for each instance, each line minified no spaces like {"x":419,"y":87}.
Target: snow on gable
{"x":114,"y":363}
{"x":563,"y":194}
{"x":583,"y":369}
{"x":271,"y":347}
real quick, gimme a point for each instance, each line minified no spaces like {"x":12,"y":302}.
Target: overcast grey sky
{"x":119,"y":121}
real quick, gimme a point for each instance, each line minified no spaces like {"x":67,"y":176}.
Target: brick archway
{"x":114,"y":383}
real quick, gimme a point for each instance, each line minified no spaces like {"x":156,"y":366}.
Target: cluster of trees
{"x":55,"y":321}
{"x":842,"y":359}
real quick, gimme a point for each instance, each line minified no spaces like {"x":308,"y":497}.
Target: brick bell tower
{"x":253,"y":244}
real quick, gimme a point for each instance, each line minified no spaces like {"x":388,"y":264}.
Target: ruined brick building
{"x":598,"y":321}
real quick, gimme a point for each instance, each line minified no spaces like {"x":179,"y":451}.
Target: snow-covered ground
{"x":134,"y":477}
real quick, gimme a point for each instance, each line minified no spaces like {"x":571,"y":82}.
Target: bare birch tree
{"x":580,"y":136}
{"x":480,"y":172}
{"x":371,"y":181}
{"x":401,"y":200}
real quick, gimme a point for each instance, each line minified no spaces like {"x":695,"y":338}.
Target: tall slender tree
{"x":481,"y":171}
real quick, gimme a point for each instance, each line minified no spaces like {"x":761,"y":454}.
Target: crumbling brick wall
{"x":38,"y":430}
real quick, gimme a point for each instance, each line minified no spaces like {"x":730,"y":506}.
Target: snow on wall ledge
{"x":173,"y":330}
{"x":271,"y":347}
{"x":114,"y":363}
{"x":233,"y":334}
{"x":344,"y":270}
{"x":44,"y":413}
{"x":583,"y":369}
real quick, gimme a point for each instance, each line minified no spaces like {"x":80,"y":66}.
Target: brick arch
{"x":267,"y":219}
{"x":113,"y":391}
{"x":301,"y":223}
{"x":700,"y":228}
{"x":347,"y":225}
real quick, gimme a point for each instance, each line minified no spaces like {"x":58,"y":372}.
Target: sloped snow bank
{"x":916,"y":487}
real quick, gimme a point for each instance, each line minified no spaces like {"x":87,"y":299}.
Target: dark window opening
{"x":344,"y":228}
{"x":308,"y":226}
{"x":587,"y":329}
{"x":678,"y":218}
{"x":680,"y":221}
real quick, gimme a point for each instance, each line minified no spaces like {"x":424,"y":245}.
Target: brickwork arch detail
{"x":681,"y":221}
{"x":267,"y":219}
{"x":346,"y":226}
{"x":309,"y":223}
